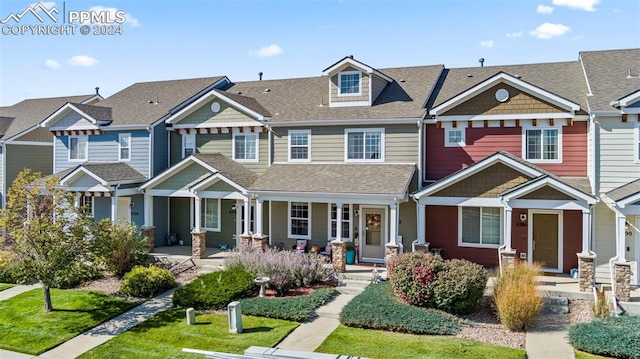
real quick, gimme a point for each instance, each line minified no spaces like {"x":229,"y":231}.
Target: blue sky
{"x":182,"y":39}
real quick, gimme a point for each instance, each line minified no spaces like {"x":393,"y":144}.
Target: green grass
{"x":27,"y":328}
{"x":165,"y":334}
{"x":4,"y":286}
{"x":583,"y":355}
{"x":382,"y":345}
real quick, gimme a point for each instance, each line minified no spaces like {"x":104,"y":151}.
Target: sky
{"x":162,"y":40}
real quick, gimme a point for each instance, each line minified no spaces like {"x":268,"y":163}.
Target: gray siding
{"x":175,"y":145}
{"x":225,"y":115}
{"x":85,"y":181}
{"x":73,"y":119}
{"x":101,"y":208}
{"x":328,"y":143}
{"x":617,"y":162}
{"x":364,"y":88}
{"x":160,"y":150}
{"x":227,"y":227}
{"x":408,"y":224}
{"x":179,"y":220}
{"x":37,"y":135}
{"x":19,"y":157}
{"x":160,"y":220}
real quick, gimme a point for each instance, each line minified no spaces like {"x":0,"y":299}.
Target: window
{"x":349,"y":83}
{"x":77,"y":148}
{"x":346,"y":221}
{"x":124,"y":142}
{"x":245,"y":148}
{"x":454,"y":137}
{"x":210,"y":214}
{"x":299,"y":220}
{"x":542,"y":145}
{"x":188,"y":144}
{"x":365,"y":145}
{"x":252,"y":217}
{"x":480,"y":226}
{"x":86,"y":205}
{"x":299,"y":146}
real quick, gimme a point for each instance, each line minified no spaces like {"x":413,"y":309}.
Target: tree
{"x":47,"y":234}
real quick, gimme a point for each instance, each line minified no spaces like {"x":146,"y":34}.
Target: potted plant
{"x":350,"y":255}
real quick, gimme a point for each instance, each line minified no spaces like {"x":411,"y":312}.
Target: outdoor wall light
{"x":233,"y":208}
{"x":523,"y":217}
{"x":356,"y":213}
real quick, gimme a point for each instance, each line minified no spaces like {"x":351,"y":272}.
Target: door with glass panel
{"x":374,"y":234}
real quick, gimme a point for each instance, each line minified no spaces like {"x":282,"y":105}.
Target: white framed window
{"x":87,"y":205}
{"x":349,"y":83}
{"x":479,"y":226}
{"x":454,"y":137}
{"x":210,"y":214}
{"x":346,"y":221}
{"x":299,"y":145}
{"x":188,"y":144}
{"x":245,"y":147}
{"x":78,"y":148}
{"x":124,"y":143}
{"x":364,"y":145}
{"x":300,"y":220}
{"x":252,"y":216}
{"x":542,"y":144}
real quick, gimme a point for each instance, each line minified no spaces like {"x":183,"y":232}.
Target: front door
{"x":124,"y":209}
{"x":545,"y":240}
{"x":373,"y":240}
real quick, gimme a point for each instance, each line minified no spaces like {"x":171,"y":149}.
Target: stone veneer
{"x":391,"y":250}
{"x":260,"y":242}
{"x":623,"y":280}
{"x":198,"y":244}
{"x":338,"y":256}
{"x":422,"y":248}
{"x":245,"y":241}
{"x":586,"y":271}
{"x":149,"y":234}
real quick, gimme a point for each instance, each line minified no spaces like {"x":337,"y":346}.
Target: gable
{"x":519,"y":102}
{"x":225,"y":114}
{"x":83,"y":181}
{"x":73,"y":121}
{"x":487,"y":183}
{"x":220,"y":186}
{"x":547,"y":192}
{"x":364,"y":87}
{"x":634,"y":105}
{"x":184,"y":179}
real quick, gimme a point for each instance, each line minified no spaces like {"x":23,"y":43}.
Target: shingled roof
{"x":608,"y":76}
{"x":229,"y":168}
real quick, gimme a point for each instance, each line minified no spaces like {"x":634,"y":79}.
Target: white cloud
{"x":112,"y":14}
{"x":586,"y":5}
{"x":487,"y":44}
{"x":268,"y":51}
{"x":513,"y":35}
{"x":545,"y":9}
{"x":82,"y":61}
{"x":548,"y":31}
{"x":51,"y":64}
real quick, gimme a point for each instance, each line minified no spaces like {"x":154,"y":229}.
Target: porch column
{"x":421,"y":224}
{"x":148,"y":210}
{"x":586,"y":233}
{"x":76,"y":200}
{"x":338,"y":221}
{"x":507,"y":228}
{"x":245,"y":237}
{"x":260,"y":240}
{"x":114,"y":209}
{"x":258,"y":218}
{"x":507,"y":256}
{"x":196,"y":214}
{"x":392,"y":248}
{"x":621,"y":221}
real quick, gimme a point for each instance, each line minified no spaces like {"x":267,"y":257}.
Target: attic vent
{"x":267,"y":90}
{"x":239,"y":93}
{"x":152,"y":102}
{"x":631,"y":75}
{"x":402,"y":80}
{"x":517,"y":76}
{"x":469,"y":75}
{"x":350,"y":56}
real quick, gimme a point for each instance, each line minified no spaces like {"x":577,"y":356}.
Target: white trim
{"x":329,"y":221}
{"x":223,"y":125}
{"x":86,"y":148}
{"x":627,"y":100}
{"x":542,"y":144}
{"x":185,"y":162}
{"x":480,"y":244}
{"x":66,"y":108}
{"x":351,"y":122}
{"x":348,"y":104}
{"x":151,"y":130}
{"x":181,"y":193}
{"x":460,"y":143}
{"x":321,"y":197}
{"x":210,"y":181}
{"x":530,"y":240}
{"x":385,"y":236}
{"x":120,"y":147}
{"x":77,"y":173}
{"x":553,"y":183}
{"x":289,"y":218}
{"x":308,"y":134}
{"x":92,"y":210}
{"x":348,"y":73}
{"x":364,"y":132}
{"x":29,"y":143}
{"x":245,"y":160}
{"x":186,"y":137}
{"x":203,"y":207}
{"x":461,"y":201}
{"x":357,"y":64}
{"x":548,"y":204}
{"x":211,"y":94}
{"x":513,"y":117}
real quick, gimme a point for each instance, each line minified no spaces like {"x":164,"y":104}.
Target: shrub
{"x":215,"y":290}
{"x":82,"y":273}
{"x":120,"y":246}
{"x":286,"y":269}
{"x":458,"y":287}
{"x":297,"y":309}
{"x":411,"y":275}
{"x":517,"y":300}
{"x":616,"y":337}
{"x":375,"y":308}
{"x":7,"y":274}
{"x":601,"y":308}
{"x":147,"y":281}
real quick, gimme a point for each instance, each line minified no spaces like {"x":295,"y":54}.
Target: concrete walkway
{"x":15,"y":290}
{"x":548,"y":336}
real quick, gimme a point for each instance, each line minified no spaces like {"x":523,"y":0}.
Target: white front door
{"x":374,"y":234}
{"x":124,"y":209}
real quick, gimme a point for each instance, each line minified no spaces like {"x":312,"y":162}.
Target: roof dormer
{"x":353,"y":83}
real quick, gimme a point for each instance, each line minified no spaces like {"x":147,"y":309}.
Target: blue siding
{"x":61,"y":154}
{"x":160,"y":148}
{"x":161,"y":219}
{"x":101,"y":208}
{"x":137,"y":212}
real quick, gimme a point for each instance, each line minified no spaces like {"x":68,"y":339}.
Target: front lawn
{"x":381,"y":345}
{"x":4,"y":286}
{"x":165,"y":334}
{"x":27,"y":328}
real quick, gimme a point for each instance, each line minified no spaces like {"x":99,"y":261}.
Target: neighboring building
{"x":104,"y":152}
{"x":24,"y":144}
{"x":506,"y":152}
{"x":613,"y":78}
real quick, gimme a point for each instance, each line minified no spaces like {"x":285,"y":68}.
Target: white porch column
{"x":507,"y":228}
{"x":586,"y":233}
{"x":393,"y":223}
{"x":239,"y":228}
{"x":76,"y":200}
{"x":338,"y":221}
{"x":148,"y":210}
{"x":621,"y":221}
{"x":247,"y":215}
{"x":196,"y":214}
{"x":422,"y":225}
{"x":114,"y":209}
{"x":258,"y":218}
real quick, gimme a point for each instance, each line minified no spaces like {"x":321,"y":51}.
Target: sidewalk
{"x":18,"y":289}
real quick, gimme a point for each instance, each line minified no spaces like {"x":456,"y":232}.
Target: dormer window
{"x":349,"y":83}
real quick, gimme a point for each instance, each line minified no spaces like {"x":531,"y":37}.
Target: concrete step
{"x":555,"y":305}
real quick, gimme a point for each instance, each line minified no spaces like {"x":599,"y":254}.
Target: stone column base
{"x":338,"y":255}
{"x":508,"y":258}
{"x":586,"y":272}
{"x":260,"y":242}
{"x":391,"y":250}
{"x":622,"y":275}
{"x":198,"y":244}
{"x":422,"y":248}
{"x":245,"y":242}
{"x":149,"y":234}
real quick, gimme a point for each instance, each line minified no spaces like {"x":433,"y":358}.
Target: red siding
{"x":571,"y":240}
{"x":482,"y":142}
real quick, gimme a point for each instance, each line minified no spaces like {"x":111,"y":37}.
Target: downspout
{"x":612,"y":266}
{"x":151,"y":164}
{"x":420,"y":149}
